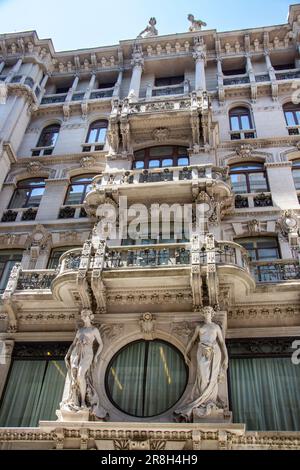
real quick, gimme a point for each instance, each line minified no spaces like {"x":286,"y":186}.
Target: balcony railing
{"x":288,"y":75}
{"x":72,"y":212}
{"x":243,"y":201}
{"x":40,"y":151}
{"x":70,"y":260}
{"x":53,"y":99}
{"x":236,"y":80}
{"x":168,"y":90}
{"x":19,"y":215}
{"x":243,"y":134}
{"x":228,"y":253}
{"x":35,"y":280}
{"x":102,"y":93}
{"x":262,"y":78}
{"x":276,"y":271}
{"x":293,"y":130}
{"x":163,"y":175}
{"x":147,"y":256}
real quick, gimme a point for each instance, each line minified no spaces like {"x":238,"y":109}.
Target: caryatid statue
{"x":80,"y":360}
{"x":150,"y":30}
{"x":212,"y":364}
{"x":196,"y":25}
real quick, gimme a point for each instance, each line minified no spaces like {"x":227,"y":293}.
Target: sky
{"x":78,"y":24}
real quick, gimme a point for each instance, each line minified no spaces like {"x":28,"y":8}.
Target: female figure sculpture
{"x":80,"y":360}
{"x":212,"y":363}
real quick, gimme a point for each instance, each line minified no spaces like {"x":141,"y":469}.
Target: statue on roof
{"x":196,"y":25}
{"x":150,"y":30}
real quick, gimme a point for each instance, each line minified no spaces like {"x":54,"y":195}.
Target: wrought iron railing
{"x":236,"y":81}
{"x":276,"y":271}
{"x":102,"y":93}
{"x":35,"y":280}
{"x":168,"y":90}
{"x":292,"y":75}
{"x":52,"y":99}
{"x":147,"y":256}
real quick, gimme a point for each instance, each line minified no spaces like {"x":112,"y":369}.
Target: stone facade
{"x":257,"y":70}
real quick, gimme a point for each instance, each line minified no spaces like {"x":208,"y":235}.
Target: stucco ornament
{"x":212,"y":364}
{"x":150,"y":30}
{"x":80,"y":361}
{"x":196,"y":25}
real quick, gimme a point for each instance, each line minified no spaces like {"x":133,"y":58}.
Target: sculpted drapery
{"x":212,"y":363}
{"x":80,"y":361}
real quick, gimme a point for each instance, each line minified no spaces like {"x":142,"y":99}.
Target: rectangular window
{"x":34,"y":390}
{"x":7,"y":262}
{"x":265,"y":393}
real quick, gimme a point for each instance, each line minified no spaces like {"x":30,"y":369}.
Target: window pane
{"x":7,"y":262}
{"x":183,"y":161}
{"x":235,"y":125}
{"x":19,"y":199}
{"x":33,"y":392}
{"x":239,"y":184}
{"x":146,"y":378}
{"x":297,"y":117}
{"x":35,"y":197}
{"x":245,"y":122}
{"x":258,"y":183}
{"x":167,"y":162}
{"x":48,"y":137}
{"x":268,"y":254}
{"x":154,"y":163}
{"x":139,"y":165}
{"x":265,"y":393}
{"x":75,"y":194}
{"x":101,"y":135}
{"x":296,"y":176}
{"x":290,"y":119}
{"x":92,"y":136}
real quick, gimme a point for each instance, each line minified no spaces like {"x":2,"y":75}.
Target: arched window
{"x":249,"y":178}
{"x":292,"y":117}
{"x":28,"y":193}
{"x":7,"y":261}
{"x":77,"y":190}
{"x":161,"y":157}
{"x":146,"y":378}
{"x":47,"y":140}
{"x":296,"y":173}
{"x":96,"y":136}
{"x":241,"y":124}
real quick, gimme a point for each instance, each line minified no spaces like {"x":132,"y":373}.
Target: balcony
{"x":293,"y":130}
{"x":276,"y":271}
{"x":102,"y":93}
{"x":168,"y":180}
{"x":35,"y":280}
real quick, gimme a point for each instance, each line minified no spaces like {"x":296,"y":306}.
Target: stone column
{"x":14,"y":70}
{"x":270,"y":66}
{"x":6,"y":349}
{"x":250,"y":68}
{"x":200,"y":60}
{"x":116,"y":92}
{"x":135,"y":84}
{"x":90,"y":87}
{"x":220,"y":76}
{"x":2,"y":65}
{"x":72,"y":89}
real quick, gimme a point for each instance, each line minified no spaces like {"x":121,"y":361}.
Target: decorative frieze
{"x":257,"y":312}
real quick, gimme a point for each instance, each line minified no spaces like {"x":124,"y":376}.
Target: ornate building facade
{"x":185,"y":341}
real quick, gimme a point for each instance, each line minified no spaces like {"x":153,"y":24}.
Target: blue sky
{"x":75,"y":24}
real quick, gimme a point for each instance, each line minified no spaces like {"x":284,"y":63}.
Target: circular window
{"x":146,"y":378}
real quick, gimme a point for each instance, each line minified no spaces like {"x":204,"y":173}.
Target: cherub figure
{"x":196,"y":25}
{"x":150,"y":30}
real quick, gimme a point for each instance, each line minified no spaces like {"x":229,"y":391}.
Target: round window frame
{"x":157,"y":340}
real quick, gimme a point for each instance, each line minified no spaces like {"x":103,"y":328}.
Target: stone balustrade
{"x":157,"y":175}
